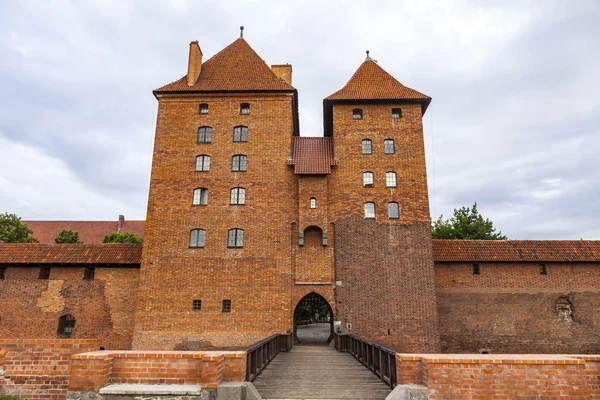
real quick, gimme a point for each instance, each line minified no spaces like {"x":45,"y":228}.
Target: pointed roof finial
{"x":241,"y":32}
{"x":368,"y":57}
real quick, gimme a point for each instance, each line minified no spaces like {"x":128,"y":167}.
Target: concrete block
{"x":409,"y":392}
{"x":237,"y":391}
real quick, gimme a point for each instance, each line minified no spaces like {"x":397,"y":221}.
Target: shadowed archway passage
{"x":313,"y":320}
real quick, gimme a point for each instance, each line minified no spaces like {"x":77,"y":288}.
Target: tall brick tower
{"x":378,"y":202}
{"x":216,"y":266}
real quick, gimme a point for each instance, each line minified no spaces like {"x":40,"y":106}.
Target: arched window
{"x":244,"y":108}
{"x":238,"y":196}
{"x":240,"y":134}
{"x":197,"y":238}
{"x":390,"y":179}
{"x":367,"y":179}
{"x":204,"y":134}
{"x":357,"y":113}
{"x":238,"y":163}
{"x":367,"y":147}
{"x":396,"y":113}
{"x":393,"y":210}
{"x":66,"y":325}
{"x":203,"y":108}
{"x":313,"y":202}
{"x":203,"y":163}
{"x":200,"y":197}
{"x":369,"y":210}
{"x":388,"y":146}
{"x":235,"y":238}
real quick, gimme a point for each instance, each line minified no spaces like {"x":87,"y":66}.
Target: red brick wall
{"x":103,"y":307}
{"x":39,"y":368}
{"x":256,"y":278}
{"x":512,"y":308}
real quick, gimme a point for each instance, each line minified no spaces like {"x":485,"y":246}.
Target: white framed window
{"x":369,"y":210}
{"x":200,"y":197}
{"x":203,"y":108}
{"x":205,"y":134}
{"x":357,"y":113}
{"x":388,"y":146}
{"x":367,"y":179}
{"x":313,"y":202}
{"x":367,"y":146}
{"x":197,"y":238}
{"x":237,"y":196}
{"x":203,"y":163}
{"x":240,"y":134}
{"x":393,"y":210}
{"x":235,"y":238}
{"x":238,"y":163}
{"x":244,"y":108}
{"x":396,"y":113}
{"x":390,"y":179}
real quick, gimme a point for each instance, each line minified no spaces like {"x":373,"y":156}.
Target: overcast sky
{"x":514,"y":123}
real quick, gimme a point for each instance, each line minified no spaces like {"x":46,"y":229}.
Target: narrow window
{"x":543,"y":270}
{"x":197,"y":238}
{"x":244,"y":108}
{"x":204,"y":134}
{"x":240,"y":134}
{"x":197,"y":305}
{"x":357,"y":113}
{"x":237,"y":196}
{"x":475,"y":269}
{"x":396,"y":113}
{"x":393,"y":210}
{"x":226,"y":305}
{"x":366,"y":146}
{"x":66,"y":325}
{"x":369,"y":210}
{"x":89,"y":273}
{"x":203,"y":108}
{"x":390,"y":179}
{"x":203,"y":163}
{"x":2,"y":272}
{"x":200,"y":197}
{"x":313,"y":202}
{"x":44,"y":273}
{"x":235,"y":238}
{"x":388,"y":146}
{"x":367,"y":179}
{"x":238,"y":163}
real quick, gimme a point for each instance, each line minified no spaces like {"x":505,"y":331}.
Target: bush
{"x":67,"y":236}
{"x":122,"y":238}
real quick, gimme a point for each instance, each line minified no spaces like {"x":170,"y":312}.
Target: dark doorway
{"x":313,"y":320}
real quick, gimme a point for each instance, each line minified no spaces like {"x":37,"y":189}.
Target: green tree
{"x":12,"y":230}
{"x":466,"y":223}
{"x":125,"y":237}
{"x":67,"y":236}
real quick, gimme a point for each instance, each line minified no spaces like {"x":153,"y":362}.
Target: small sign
{"x":338,"y":283}
{"x":337,"y":323}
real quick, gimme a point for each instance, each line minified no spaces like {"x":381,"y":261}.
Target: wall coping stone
{"x":140,"y":389}
{"x":497,"y":358}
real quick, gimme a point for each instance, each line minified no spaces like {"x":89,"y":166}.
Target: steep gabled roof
{"x":312,"y":155}
{"x":37,"y":253}
{"x":235,"y":68}
{"x":371,"y":82}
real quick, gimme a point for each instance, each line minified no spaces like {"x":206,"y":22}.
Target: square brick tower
{"x":378,"y":203}
{"x":216,"y":266}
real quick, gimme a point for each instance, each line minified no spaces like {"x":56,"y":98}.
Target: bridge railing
{"x":260,"y":354}
{"x":379,"y":359}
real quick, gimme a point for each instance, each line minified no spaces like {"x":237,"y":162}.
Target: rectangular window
{"x":226,"y":305}
{"x":388,"y":146}
{"x":197,"y":305}
{"x":390,"y":179}
{"x":204,"y":108}
{"x":238,"y":163}
{"x":204,"y":134}
{"x":89,"y":273}
{"x":366,"y":146}
{"x":369,"y":210}
{"x":44,"y":273}
{"x":200,"y":197}
{"x":197,"y":237}
{"x":238,"y":196}
{"x":244,"y":108}
{"x":313,"y":203}
{"x":235,"y":238}
{"x":357,"y":113}
{"x":368,"y":179}
{"x":396,"y":113}
{"x":393,"y":211}
{"x":543,"y":270}
{"x":240,"y":134}
{"x":203,"y":163}
{"x":475,"y":269}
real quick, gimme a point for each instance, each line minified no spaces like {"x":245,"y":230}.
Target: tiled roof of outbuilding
{"x":516,"y":250}
{"x":36,"y":253}
{"x":90,"y":232}
{"x":312,"y":155}
{"x":235,"y":68}
{"x":371,"y":82}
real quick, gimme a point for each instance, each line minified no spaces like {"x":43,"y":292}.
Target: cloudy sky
{"x":514,"y":123}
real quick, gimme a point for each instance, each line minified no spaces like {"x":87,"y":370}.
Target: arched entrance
{"x":313,"y":320}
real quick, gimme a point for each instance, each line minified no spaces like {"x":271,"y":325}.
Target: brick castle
{"x":246,"y":218}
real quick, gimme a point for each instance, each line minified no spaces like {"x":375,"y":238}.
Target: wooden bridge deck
{"x":318,"y":372}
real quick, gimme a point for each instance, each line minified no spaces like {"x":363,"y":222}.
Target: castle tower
{"x":216,"y":266}
{"x":378,"y":202}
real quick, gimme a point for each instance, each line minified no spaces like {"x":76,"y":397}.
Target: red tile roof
{"x":516,"y":250}
{"x":371,"y":82}
{"x":89,"y":231}
{"x":36,"y":253}
{"x":235,"y":68}
{"x":312,"y":155}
